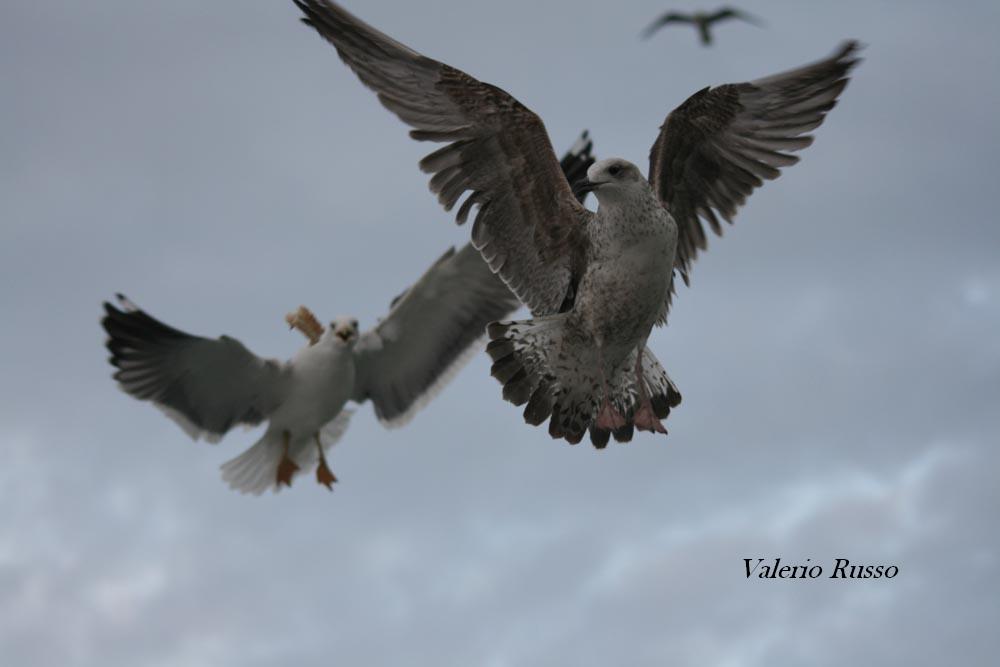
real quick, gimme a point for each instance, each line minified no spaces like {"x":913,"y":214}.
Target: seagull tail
{"x":535,"y":372}
{"x":663,"y":393}
{"x":577,"y":409}
{"x":255,"y":470}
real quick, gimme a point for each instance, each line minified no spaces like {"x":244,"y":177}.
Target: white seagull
{"x":595,"y":283}
{"x":209,"y":385}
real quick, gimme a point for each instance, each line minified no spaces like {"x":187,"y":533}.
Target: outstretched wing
{"x":529,"y":227}
{"x":207,"y":386}
{"x":430,"y":332}
{"x":669,"y":17}
{"x":577,"y":161}
{"x":433,"y":328}
{"x":731,"y":13}
{"x":722,"y":143}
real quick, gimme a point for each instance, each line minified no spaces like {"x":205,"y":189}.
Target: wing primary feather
{"x":499,"y":152}
{"x":722,"y":143}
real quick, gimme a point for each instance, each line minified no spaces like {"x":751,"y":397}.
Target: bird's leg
{"x":286,"y":467}
{"x":704,"y":31}
{"x":324,"y":475}
{"x":608,"y":418}
{"x":645,"y":417}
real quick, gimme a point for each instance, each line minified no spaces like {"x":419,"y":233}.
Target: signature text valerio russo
{"x":842,"y":569}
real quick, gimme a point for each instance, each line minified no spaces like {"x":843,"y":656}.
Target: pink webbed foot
{"x":608,"y":418}
{"x":646,"y":420}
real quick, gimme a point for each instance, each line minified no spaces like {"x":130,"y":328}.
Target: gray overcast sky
{"x":838,"y":352}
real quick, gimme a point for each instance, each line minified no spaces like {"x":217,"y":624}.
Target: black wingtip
{"x":847,"y":53}
{"x":625,"y":433}
{"x":599,"y":437}
{"x":126,"y":304}
{"x":114,"y":312}
{"x":577,"y":161}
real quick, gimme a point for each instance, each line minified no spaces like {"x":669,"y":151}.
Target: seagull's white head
{"x":613,"y":179}
{"x":343,"y":331}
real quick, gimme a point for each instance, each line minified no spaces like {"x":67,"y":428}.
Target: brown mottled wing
{"x":435,"y":326}
{"x":529,"y":227}
{"x":724,"y":142}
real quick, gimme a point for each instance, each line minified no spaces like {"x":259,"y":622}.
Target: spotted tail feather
{"x":663,"y":393}
{"x":557,"y":379}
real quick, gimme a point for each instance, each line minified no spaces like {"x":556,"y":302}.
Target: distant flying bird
{"x":700,"y":20}
{"x":209,"y":385}
{"x":595,"y":283}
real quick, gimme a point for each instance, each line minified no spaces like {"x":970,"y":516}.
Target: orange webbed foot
{"x":324,"y":475}
{"x":286,"y":466}
{"x":286,"y":470}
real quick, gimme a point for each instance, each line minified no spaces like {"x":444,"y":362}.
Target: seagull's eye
{"x":615,"y":170}
{"x":354,"y":324}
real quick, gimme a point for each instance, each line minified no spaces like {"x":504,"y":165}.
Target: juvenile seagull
{"x":701,"y":20}
{"x":595,"y":283}
{"x":209,"y":385}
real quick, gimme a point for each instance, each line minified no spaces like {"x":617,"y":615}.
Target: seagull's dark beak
{"x":342,"y":331}
{"x":583,"y":186}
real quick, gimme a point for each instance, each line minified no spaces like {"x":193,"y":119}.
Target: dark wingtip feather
{"x":539,"y":407}
{"x":578,"y":160}
{"x":673,"y":397}
{"x":555,"y":429}
{"x":499,"y":348}
{"x":496,"y":331}
{"x":661,"y":408}
{"x":518,"y":388}
{"x":599,"y":437}
{"x":505,"y":368}
{"x":625,"y":433}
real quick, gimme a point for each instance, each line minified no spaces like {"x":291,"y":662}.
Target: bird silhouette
{"x":701,"y":20}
